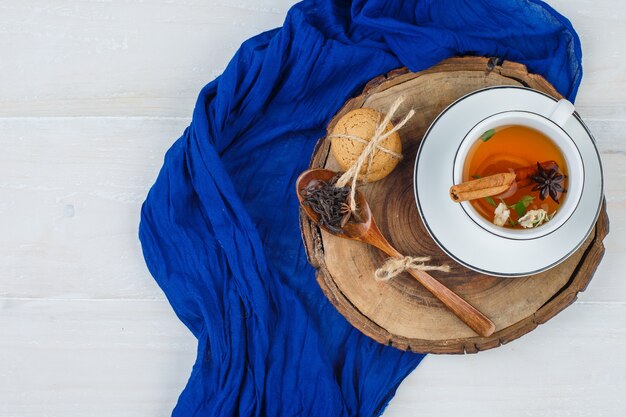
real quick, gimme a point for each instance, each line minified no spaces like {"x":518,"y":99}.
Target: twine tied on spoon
{"x":395,"y":266}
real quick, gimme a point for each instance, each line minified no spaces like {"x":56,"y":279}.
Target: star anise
{"x":548,"y":182}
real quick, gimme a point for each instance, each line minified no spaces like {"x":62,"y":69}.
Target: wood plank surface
{"x":71,"y":191}
{"x":554,"y":371}
{"x":83,"y":358}
{"x":93,"y":92}
{"x":120,"y":58}
{"x":131,"y":358}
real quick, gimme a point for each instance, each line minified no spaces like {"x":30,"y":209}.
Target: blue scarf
{"x":219,"y":228}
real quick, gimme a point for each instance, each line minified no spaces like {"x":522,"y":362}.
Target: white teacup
{"x":551,"y":125}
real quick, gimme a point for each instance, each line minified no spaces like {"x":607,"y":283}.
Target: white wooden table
{"x":92,"y":93}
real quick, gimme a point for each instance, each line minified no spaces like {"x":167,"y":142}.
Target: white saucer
{"x":455,"y":232}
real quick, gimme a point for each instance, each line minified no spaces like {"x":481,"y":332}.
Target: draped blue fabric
{"x":219,"y":228}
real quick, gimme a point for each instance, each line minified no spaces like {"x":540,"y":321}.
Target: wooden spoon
{"x":368,"y":232}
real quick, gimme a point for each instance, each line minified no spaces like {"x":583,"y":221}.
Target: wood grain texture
{"x":91,"y":358}
{"x":131,"y":358}
{"x":105,"y":87}
{"x":554,"y":371}
{"x":70,"y":195}
{"x":388,"y":312}
{"x":120,"y":58}
{"x":124,"y":58}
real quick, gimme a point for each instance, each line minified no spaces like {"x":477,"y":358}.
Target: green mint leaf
{"x":490,"y":201}
{"x":521,"y":206}
{"x":487,"y":135}
{"x":520,"y":209}
{"x":476,"y":176}
{"x":526,"y":200}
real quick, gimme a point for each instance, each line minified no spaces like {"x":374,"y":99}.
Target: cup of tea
{"x":544,"y":158}
{"x":514,"y":141}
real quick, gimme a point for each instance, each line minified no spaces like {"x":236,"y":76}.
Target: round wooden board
{"x":401,"y":313}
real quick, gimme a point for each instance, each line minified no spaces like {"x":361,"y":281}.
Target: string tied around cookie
{"x":395,"y":266}
{"x":362,"y":141}
{"x":352,"y":174}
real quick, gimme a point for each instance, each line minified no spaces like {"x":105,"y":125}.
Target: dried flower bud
{"x":534,"y":218}
{"x":501,"y":214}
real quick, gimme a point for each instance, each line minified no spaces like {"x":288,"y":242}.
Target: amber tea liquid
{"x":513,"y":147}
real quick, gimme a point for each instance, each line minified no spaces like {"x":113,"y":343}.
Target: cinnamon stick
{"x":482,"y":187}
{"x":498,"y":183}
